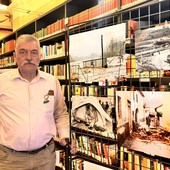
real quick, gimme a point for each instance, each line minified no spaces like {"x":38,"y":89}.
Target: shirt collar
{"x":15,"y":74}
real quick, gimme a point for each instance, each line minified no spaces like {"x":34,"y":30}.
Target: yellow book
{"x":121,"y":157}
{"x":157,"y":165}
{"x":145,"y":163}
{"x":136,"y":162}
{"x":77,"y":90}
{"x":130,"y":161}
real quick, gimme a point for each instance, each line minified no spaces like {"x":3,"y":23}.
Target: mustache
{"x":30,"y":62}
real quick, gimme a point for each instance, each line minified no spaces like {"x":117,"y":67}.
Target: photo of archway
{"x":144,"y":122}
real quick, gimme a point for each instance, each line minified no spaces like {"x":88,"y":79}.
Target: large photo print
{"x":97,"y":54}
{"x":143,"y":120}
{"x":152,"y":48}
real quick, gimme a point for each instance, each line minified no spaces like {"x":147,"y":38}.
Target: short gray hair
{"x":26,"y":38}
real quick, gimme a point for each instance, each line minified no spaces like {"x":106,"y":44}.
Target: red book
{"x":83,"y":16}
{"x":106,"y":152}
{"x":114,"y":4}
{"x":74,"y":19}
{"x":131,"y":29}
{"x":98,"y":146}
{"x":95,"y":11}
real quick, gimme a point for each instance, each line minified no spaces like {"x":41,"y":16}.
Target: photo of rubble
{"x":152,"y":48}
{"x":143,"y":121}
{"x":95,"y":114}
{"x":97,"y":54}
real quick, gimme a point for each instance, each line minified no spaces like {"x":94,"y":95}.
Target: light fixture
{"x":4,"y":4}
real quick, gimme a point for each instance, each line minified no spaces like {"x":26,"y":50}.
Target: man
{"x":32,"y":112}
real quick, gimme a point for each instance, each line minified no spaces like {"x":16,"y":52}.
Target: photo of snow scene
{"x":98,"y":54}
{"x":144,"y":121}
{"x":152,"y":48}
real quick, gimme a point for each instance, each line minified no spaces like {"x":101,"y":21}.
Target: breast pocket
{"x":48,"y":104}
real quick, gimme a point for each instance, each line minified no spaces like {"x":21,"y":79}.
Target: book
{"x":93,"y":148}
{"x":126,"y":159}
{"x":136,"y":162}
{"x":131,"y":29}
{"x":60,"y":158}
{"x":106,"y":153}
{"x":77,"y":164}
{"x":145,"y":163}
{"x":86,"y":145}
{"x":97,"y":149}
{"x":131,"y":65}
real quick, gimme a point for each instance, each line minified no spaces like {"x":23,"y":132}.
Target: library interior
{"x":102,"y":70}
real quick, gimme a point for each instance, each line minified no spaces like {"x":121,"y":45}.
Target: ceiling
{"x":19,"y":8}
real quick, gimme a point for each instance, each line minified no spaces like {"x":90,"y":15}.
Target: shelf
{"x":97,"y":135}
{"x":10,"y":53}
{"x":52,"y":38}
{"x":74,"y":9}
{"x":53,"y":61}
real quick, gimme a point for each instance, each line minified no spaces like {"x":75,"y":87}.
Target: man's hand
{"x":73,"y":146}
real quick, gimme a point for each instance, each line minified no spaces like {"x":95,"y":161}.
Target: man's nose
{"x":28,"y":56}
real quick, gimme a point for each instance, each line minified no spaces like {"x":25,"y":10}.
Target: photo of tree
{"x":97,"y":54}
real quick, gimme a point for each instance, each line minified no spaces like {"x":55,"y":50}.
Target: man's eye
{"x":23,"y":52}
{"x":34,"y":52}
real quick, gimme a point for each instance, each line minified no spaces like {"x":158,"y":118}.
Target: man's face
{"x":28,"y":56}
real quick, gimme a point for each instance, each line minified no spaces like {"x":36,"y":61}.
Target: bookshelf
{"x":100,"y":136}
{"x":87,"y":82}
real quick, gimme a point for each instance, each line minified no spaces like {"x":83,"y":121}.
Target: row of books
{"x":60,"y":158}
{"x":109,"y":91}
{"x":8,"y":61}
{"x":97,"y":149}
{"x":77,"y":164}
{"x":91,"y":13}
{"x":7,"y":46}
{"x":55,"y":27}
{"x":102,"y":8}
{"x":130,"y":160}
{"x":92,"y":90}
{"x":129,"y":3}
{"x":53,"y":51}
{"x":58,"y":70}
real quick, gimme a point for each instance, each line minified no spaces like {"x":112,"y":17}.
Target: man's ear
{"x":40,"y":56}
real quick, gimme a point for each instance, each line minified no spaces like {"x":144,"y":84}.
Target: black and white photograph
{"x":95,"y":114}
{"x":97,"y":54}
{"x":152,"y":48}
